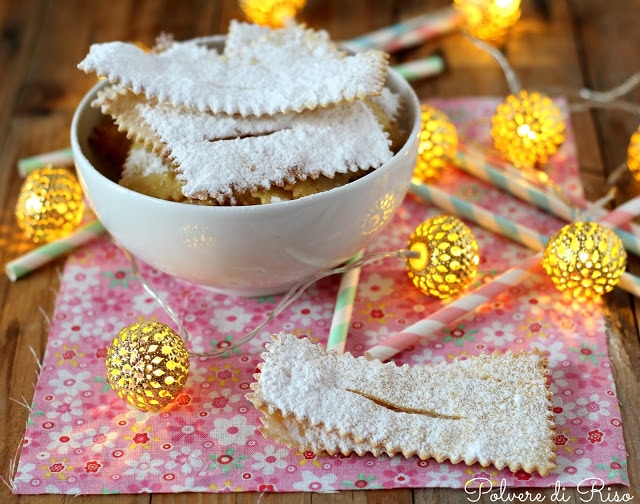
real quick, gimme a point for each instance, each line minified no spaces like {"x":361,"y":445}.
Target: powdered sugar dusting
{"x":388,"y":101}
{"x":276,"y":107}
{"x":141,"y":161}
{"x":459,"y":411}
{"x":264,"y":71}
{"x":217,"y":156}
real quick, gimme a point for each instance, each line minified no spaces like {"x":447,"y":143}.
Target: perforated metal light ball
{"x":633,"y":155}
{"x":488,"y":20}
{"x":50,"y":204}
{"x":438,"y":143}
{"x":527,"y":128}
{"x":447,"y":256}
{"x":273,"y":13}
{"x":585,"y":259}
{"x":147,"y":365}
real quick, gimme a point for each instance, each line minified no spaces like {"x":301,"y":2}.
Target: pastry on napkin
{"x":492,"y":409}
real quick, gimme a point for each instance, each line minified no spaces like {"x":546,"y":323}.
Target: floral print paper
{"x":82,"y":439}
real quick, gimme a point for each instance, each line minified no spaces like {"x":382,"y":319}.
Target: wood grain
{"x":561,"y":45}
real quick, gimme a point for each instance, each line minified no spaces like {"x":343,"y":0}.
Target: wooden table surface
{"x":559,"y":44}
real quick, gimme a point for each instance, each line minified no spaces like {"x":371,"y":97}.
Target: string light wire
{"x":289,"y":297}
{"x":613,"y":93}
{"x":591,"y":99}
{"x":512,"y":79}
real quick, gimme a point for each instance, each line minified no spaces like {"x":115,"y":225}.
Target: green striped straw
{"x":419,"y":69}
{"x":474,"y":162}
{"x":61,"y":157}
{"x":479,"y":215}
{"x":44,"y":254}
{"x":408,"y":33}
{"x":344,"y":307}
{"x":500,"y":225}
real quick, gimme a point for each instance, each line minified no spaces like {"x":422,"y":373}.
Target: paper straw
{"x":474,"y":162}
{"x":344,"y":307}
{"x":44,"y":254}
{"x":419,"y":69}
{"x":408,"y":33}
{"x":446,"y":22}
{"x":500,"y":225}
{"x":623,"y":214}
{"x":481,"y":216}
{"x":417,"y":332}
{"x":467,"y":303}
{"x":62,"y":157}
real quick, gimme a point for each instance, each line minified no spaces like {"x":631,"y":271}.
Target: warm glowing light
{"x":585,"y":259}
{"x":633,"y":155}
{"x":49,"y":205}
{"x":379,"y":214}
{"x":527,"y":128}
{"x":447,"y":256}
{"x":437,"y":145}
{"x":488,"y":20}
{"x":147,"y":365}
{"x":273,"y":13}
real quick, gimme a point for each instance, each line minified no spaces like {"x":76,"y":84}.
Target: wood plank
{"x":574,"y":44}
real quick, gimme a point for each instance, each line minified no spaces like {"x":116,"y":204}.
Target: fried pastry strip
{"x":491,"y":409}
{"x":283,"y":70}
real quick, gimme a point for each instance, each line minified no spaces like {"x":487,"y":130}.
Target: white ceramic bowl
{"x":250,"y":250}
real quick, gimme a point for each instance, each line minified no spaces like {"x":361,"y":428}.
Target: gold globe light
{"x":527,"y":128}
{"x":438,"y":143}
{"x":447,"y":256}
{"x":488,"y":20}
{"x":50,"y":204}
{"x":633,"y":155}
{"x":585,"y":259}
{"x":273,"y":13}
{"x":147,"y":365}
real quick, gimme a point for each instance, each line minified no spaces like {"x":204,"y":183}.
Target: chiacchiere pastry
{"x":492,"y":409}
{"x":278,"y":114}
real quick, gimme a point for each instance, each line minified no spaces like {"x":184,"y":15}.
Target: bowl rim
{"x":82,"y":162}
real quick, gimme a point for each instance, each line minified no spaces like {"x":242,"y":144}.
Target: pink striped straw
{"x":419,"y":331}
{"x":623,"y":214}
{"x":422,"y":329}
{"x":410,"y":32}
{"x":447,"y":22}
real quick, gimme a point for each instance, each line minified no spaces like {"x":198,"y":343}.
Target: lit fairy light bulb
{"x":488,"y":20}
{"x":50,"y":204}
{"x":633,"y":155}
{"x":527,"y":128}
{"x":585,"y":259}
{"x":273,"y":13}
{"x":147,"y":365}
{"x":437,"y":144}
{"x":446,"y":256}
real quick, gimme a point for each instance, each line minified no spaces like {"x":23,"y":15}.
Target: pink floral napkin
{"x":82,"y":439}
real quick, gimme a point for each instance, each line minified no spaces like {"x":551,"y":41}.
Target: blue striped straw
{"x":61,"y":157}
{"x":499,"y":225}
{"x":481,"y":216}
{"x":408,"y":33}
{"x":475,"y":163}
